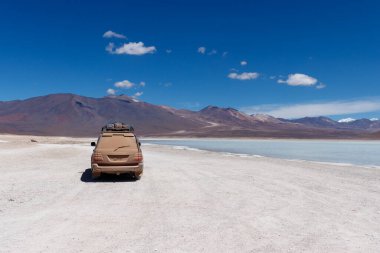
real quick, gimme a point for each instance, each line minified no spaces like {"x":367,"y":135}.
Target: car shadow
{"x":106,"y":178}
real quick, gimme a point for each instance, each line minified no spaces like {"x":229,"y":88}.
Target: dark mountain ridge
{"x":74,"y":115}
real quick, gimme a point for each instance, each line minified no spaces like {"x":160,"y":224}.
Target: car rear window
{"x":116,"y":140}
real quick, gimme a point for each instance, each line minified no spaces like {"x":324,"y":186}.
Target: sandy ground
{"x":186,"y":201}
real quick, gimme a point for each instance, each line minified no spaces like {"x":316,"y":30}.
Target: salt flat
{"x":186,"y":201}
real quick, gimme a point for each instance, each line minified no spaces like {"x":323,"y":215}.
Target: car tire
{"x":137,"y":176}
{"x":95,"y":175}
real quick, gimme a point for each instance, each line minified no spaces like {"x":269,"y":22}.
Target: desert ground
{"x":186,"y":201}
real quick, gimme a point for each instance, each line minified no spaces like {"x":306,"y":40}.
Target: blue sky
{"x":286,"y":58}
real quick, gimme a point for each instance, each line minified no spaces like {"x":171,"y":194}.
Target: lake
{"x":365,"y":153}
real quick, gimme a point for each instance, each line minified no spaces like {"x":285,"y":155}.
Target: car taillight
{"x":97,"y":157}
{"x":138,"y":157}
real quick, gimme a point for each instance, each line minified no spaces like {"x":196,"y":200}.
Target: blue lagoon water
{"x":366,"y":153}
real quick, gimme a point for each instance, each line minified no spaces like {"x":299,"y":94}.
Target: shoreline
{"x":254,"y":138}
{"x":210,"y":137}
{"x":272,"y":149}
{"x":245,"y":155}
{"x":85,"y":140}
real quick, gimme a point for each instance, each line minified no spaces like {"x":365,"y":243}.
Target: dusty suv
{"x":117,"y":151}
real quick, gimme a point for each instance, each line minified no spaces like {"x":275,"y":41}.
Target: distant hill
{"x":375,"y":135}
{"x":73,"y":115}
{"x":322,"y":122}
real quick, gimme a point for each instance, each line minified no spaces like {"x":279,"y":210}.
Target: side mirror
{"x":93,"y":144}
{"x":139,"y":144}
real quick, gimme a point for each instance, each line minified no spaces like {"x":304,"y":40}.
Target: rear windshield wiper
{"x":121,"y":147}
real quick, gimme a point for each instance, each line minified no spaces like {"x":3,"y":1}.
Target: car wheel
{"x":137,"y":176}
{"x":95,"y":175}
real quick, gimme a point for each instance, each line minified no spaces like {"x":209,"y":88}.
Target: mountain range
{"x":74,"y":115}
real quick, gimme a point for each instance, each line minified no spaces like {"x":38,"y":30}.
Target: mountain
{"x":265,"y":118}
{"x":73,"y":115}
{"x":375,"y":135}
{"x":363,"y":124}
{"x":317,"y":122}
{"x":352,"y":124}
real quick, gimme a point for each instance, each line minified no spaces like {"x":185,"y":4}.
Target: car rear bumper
{"x":117,"y":169}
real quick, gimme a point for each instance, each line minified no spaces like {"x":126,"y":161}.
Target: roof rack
{"x":117,"y":127}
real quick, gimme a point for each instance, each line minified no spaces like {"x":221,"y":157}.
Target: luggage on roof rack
{"x":117,"y":127}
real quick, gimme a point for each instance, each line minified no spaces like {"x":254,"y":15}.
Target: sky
{"x":289,"y":59}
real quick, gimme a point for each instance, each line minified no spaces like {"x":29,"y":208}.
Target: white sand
{"x":186,"y":201}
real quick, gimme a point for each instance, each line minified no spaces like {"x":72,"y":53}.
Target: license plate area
{"x":118,"y":158}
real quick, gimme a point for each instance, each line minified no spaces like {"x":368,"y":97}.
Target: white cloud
{"x":212,"y":52}
{"x":374,"y":119}
{"x":299,"y":80}
{"x":202,"y":50}
{"x":138,"y":94}
{"x":111,"y":92}
{"x":316,"y":109}
{"x":131,"y":48}
{"x":124,"y":84}
{"x":111,"y":34}
{"x":243,"y":63}
{"x":166,"y":85}
{"x":168,"y":51}
{"x":142,"y":84}
{"x":110,"y":47}
{"x":320,"y":86}
{"x":224,"y":54}
{"x":244,"y":76}
{"x":346,"y":120}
